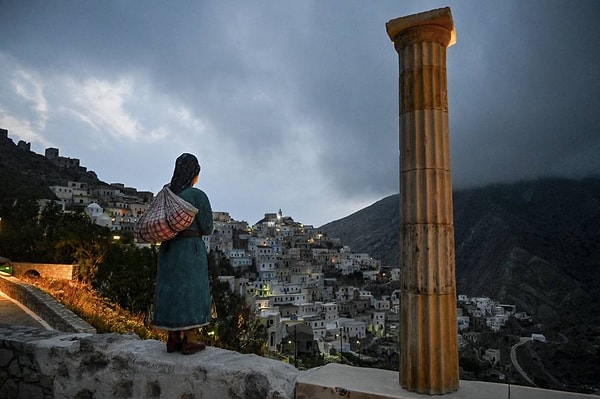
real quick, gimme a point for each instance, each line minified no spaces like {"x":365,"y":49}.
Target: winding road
{"x":515,"y":362}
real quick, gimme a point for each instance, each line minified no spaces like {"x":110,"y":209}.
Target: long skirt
{"x":183,"y":298}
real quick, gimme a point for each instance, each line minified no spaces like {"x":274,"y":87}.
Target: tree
{"x":51,"y":235}
{"x":78,"y":239}
{"x":469,"y":363}
{"x":236,"y":327}
{"x":20,"y":234}
{"x":127,"y":276}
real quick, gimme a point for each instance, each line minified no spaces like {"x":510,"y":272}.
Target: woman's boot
{"x":174,"y":342}
{"x":191,"y":342}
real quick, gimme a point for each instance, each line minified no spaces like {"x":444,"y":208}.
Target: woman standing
{"x":183,"y":301}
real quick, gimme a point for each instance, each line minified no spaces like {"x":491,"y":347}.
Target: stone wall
{"x":49,"y":364}
{"x":74,"y":362}
{"x":51,"y":311}
{"x":46,"y":270}
{"x":46,"y":364}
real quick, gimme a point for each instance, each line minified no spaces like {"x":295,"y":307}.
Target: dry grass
{"x":104,"y":316}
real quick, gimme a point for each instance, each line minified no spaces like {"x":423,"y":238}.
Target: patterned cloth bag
{"x":166,"y":216}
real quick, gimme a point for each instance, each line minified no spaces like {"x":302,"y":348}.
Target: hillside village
{"x":287,"y":273}
{"x":293,"y":275}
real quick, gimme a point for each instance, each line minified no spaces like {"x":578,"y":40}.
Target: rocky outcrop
{"x":25,"y":174}
{"x":49,"y":364}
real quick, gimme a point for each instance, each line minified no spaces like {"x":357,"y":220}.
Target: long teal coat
{"x":183,"y":298}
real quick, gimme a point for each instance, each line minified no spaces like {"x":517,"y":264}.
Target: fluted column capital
{"x":430,"y":26}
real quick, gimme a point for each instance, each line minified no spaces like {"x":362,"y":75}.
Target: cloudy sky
{"x":294,"y":104}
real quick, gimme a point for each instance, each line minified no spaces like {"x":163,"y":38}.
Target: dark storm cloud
{"x":299,"y":97}
{"x":528,"y":107}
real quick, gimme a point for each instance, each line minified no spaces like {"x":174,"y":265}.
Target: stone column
{"x":428,"y":329}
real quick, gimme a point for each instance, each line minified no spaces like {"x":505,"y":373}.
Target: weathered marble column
{"x":428,"y":330}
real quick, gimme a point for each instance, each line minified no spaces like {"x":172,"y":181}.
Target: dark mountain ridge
{"x":535,"y":244}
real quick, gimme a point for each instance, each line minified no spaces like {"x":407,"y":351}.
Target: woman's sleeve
{"x":204,"y":216}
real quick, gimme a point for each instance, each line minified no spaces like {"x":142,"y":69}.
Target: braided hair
{"x":186,"y":168}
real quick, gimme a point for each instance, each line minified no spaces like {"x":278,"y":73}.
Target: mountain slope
{"x":535,"y":244}
{"x":25,"y":174}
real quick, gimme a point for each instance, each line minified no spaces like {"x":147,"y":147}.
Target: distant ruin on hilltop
{"x":51,"y":154}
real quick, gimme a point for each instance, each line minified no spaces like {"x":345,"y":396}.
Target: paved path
{"x":15,"y":314}
{"x":515,"y":362}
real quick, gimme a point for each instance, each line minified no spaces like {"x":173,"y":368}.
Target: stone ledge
{"x":124,"y":366}
{"x":43,"y":305}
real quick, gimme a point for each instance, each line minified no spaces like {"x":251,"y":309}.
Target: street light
{"x":295,"y":349}
{"x":358,"y":351}
{"x":341,"y":345}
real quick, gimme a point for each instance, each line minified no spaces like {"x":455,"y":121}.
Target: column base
{"x":428,"y":343}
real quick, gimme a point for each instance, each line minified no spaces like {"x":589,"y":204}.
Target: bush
{"x":100,"y":313}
